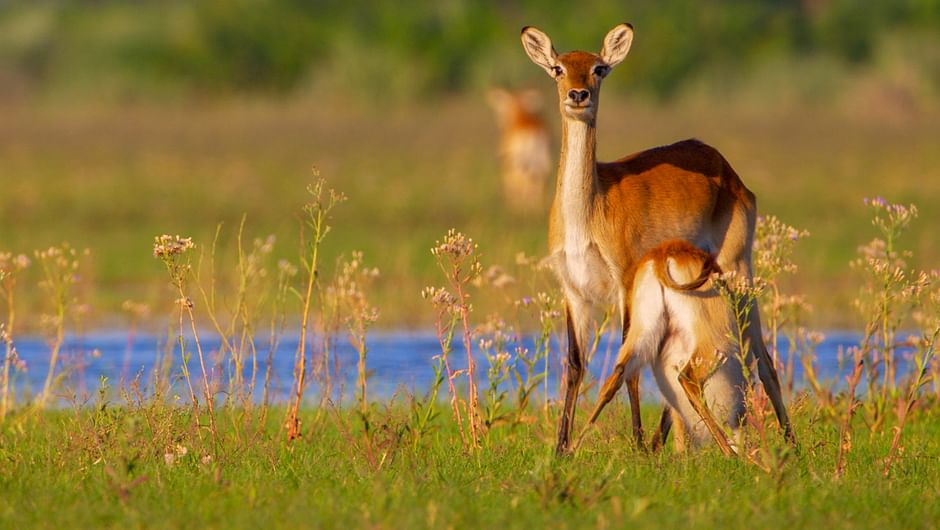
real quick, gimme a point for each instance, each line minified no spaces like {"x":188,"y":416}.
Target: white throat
{"x":577,"y":181}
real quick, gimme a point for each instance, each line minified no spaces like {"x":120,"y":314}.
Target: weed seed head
{"x":11,"y":264}
{"x":455,"y":245}
{"x":165,"y":246}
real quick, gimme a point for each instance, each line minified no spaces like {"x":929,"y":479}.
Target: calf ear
{"x":539,"y":48}
{"x":617,"y":44}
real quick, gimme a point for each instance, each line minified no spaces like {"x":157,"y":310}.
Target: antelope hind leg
{"x":691,"y":382}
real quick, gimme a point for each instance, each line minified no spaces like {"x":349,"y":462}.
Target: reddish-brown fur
{"x":681,"y":327}
{"x":606,"y":216}
{"x":686,"y":255}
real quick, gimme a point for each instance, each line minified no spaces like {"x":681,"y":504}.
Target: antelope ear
{"x":539,"y":48}
{"x":617,"y":44}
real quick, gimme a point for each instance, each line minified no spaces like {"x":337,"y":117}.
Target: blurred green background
{"x":123,"y":120}
{"x":167,"y":48}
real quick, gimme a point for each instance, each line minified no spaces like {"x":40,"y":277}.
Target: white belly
{"x":586,"y":274}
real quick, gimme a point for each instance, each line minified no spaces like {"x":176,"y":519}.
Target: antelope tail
{"x":709,"y":266}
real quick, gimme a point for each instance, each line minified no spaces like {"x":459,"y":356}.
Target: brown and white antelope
{"x":682,"y":327}
{"x":523,"y":147}
{"x":606,"y":215}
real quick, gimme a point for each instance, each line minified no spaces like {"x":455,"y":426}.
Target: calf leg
{"x":692,"y":379}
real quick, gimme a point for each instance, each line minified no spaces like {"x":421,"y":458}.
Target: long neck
{"x":577,"y":176}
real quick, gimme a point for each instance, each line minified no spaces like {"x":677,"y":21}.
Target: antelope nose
{"x":578,"y":95}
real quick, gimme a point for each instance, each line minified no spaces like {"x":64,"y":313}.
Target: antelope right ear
{"x":617,"y":44}
{"x":539,"y":48}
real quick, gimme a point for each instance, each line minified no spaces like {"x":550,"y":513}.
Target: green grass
{"x":107,"y":469}
{"x":112,"y":178}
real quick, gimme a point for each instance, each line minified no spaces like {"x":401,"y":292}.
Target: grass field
{"x":126,"y":468}
{"x":112,"y":178}
{"x":193,"y":447}
{"x":126,"y":121}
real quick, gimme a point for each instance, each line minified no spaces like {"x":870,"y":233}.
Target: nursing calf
{"x":680,"y":326}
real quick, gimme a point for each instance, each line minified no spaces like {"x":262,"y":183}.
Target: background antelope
{"x":681,"y":326}
{"x":523,"y":147}
{"x":606,"y":216}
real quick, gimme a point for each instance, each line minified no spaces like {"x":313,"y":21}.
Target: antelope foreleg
{"x":575,"y":373}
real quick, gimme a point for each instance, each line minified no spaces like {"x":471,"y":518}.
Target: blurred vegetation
{"x":168,"y":116}
{"x":147,"y":48}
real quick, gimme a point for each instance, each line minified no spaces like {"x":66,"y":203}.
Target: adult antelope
{"x":606,"y":216}
{"x":524,"y":150}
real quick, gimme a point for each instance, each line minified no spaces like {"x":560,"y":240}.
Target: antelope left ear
{"x":617,"y":44}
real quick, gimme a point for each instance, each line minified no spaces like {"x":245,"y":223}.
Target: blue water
{"x":397,"y":363}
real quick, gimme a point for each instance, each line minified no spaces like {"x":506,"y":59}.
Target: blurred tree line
{"x":146,"y":48}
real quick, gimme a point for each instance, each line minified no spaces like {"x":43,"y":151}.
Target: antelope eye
{"x":601,"y":70}
{"x":557,"y":71}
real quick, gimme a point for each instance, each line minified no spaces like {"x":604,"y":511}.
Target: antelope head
{"x":578,"y":74}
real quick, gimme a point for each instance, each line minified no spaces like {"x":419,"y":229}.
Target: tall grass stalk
{"x":458,"y":259}
{"x":885,"y":299}
{"x":317,"y":215}
{"x":445,"y":326}
{"x":173,"y":251}
{"x":60,"y":273}
{"x":543,"y":301}
{"x":741,"y":295}
{"x":10,"y":267}
{"x":923,"y":357}
{"x":350,"y":292}
{"x":774,"y":242}
{"x":845,"y":428}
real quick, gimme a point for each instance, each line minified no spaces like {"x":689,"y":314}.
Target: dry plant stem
{"x":472,"y":413}
{"x":361,"y":347}
{"x":184,"y":361}
{"x":445,"y":336}
{"x":210,"y":400}
{"x":5,"y":400}
{"x":53,"y":354}
{"x":774,"y":324}
{"x":318,"y":212}
{"x":935,"y":377}
{"x":293,"y":422}
{"x":845,"y":430}
{"x":456,"y":257}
